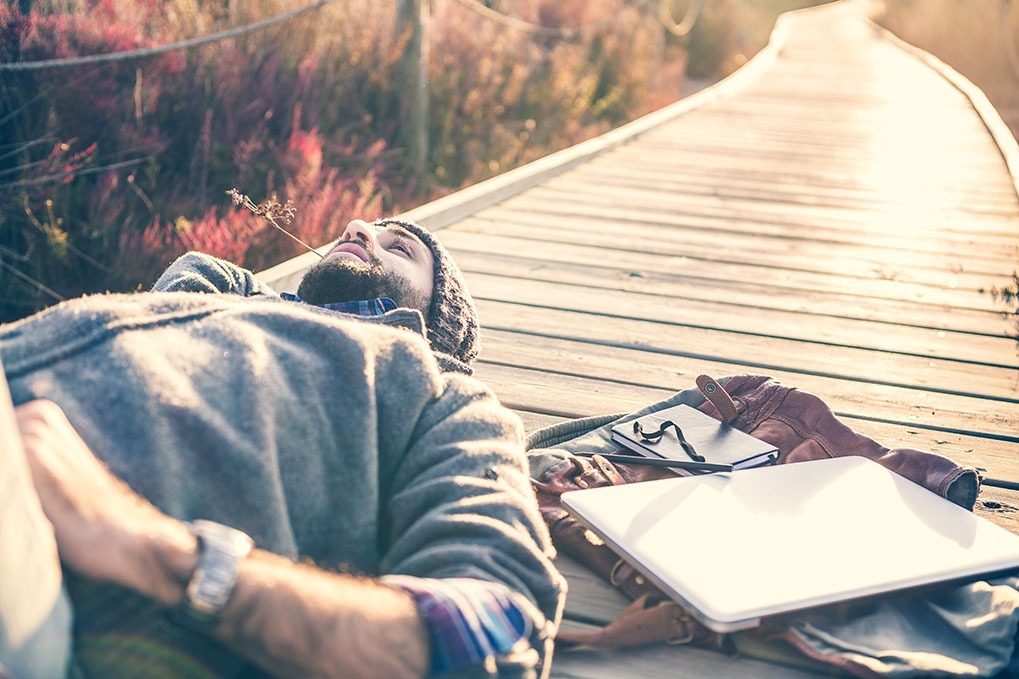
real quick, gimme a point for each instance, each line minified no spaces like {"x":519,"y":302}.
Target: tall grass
{"x":109,"y":171}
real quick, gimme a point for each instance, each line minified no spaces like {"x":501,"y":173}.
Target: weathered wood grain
{"x":642,"y":260}
{"x":747,"y":294}
{"x":838,"y":223}
{"x":994,"y":389}
{"x":804,"y":326}
{"x":949,"y":432}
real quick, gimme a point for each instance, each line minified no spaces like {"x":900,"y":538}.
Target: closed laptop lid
{"x":739,"y":546}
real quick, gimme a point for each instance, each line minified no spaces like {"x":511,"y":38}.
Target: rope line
{"x":683,"y":28}
{"x":161,"y":49}
{"x":540,"y":29}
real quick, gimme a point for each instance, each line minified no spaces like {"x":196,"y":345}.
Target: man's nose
{"x":362,"y":231}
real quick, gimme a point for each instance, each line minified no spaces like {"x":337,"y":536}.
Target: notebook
{"x":736,"y":547}
{"x":715,"y":441}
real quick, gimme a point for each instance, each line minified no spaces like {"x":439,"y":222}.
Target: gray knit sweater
{"x":199,"y":272}
{"x":320,"y":436}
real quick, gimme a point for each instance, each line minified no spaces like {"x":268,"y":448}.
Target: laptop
{"x":736,"y":547}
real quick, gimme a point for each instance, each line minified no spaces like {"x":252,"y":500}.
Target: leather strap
{"x":609,"y":470}
{"x":644,"y":621}
{"x":630,"y":581}
{"x":719,"y":397}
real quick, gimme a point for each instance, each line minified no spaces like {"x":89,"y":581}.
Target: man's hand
{"x":104,"y":530}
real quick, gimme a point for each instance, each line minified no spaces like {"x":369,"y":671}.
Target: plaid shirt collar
{"x":361,"y":307}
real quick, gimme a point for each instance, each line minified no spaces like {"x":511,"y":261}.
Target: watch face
{"x":220,"y":552}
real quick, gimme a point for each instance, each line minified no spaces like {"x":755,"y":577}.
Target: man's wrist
{"x":221,"y":549}
{"x":169,"y":556}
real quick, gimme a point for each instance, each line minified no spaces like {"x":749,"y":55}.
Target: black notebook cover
{"x":715,"y":441}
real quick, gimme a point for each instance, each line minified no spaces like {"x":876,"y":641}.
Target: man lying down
{"x":242,"y":483}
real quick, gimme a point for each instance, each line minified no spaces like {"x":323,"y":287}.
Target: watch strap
{"x":221,"y":549}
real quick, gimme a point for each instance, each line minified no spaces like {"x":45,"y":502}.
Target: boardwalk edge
{"x":450,"y":209}
{"x":999,"y":131}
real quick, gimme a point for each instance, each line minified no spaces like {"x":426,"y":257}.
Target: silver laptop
{"x":739,"y":546}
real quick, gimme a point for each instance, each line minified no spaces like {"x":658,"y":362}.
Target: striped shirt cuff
{"x":471,"y":622}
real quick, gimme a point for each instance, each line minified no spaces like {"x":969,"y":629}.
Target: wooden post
{"x":413,"y":16}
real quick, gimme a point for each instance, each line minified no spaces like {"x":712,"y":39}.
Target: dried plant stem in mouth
{"x":271,"y":210}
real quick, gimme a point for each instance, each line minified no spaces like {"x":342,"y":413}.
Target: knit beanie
{"x":452,"y":319}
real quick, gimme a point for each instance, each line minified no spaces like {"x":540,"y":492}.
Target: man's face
{"x":369,"y":262}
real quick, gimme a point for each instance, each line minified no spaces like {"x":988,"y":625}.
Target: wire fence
{"x":683,"y":28}
{"x":680,"y":29}
{"x":145,"y":52}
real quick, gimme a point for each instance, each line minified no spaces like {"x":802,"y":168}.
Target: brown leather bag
{"x":652,"y":617}
{"x":799,"y":424}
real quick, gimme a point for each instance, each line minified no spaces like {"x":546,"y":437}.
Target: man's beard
{"x":342,"y":280}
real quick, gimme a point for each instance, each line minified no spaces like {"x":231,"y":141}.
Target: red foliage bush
{"x":112,"y":170}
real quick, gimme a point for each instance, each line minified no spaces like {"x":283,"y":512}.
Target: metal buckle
{"x":681,"y":620}
{"x":615,"y":571}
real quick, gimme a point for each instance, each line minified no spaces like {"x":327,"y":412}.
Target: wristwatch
{"x":220,"y":552}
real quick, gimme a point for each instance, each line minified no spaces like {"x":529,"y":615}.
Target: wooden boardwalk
{"x":833,"y":215}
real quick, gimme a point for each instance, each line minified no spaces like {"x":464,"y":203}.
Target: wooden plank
{"x":740,"y":240}
{"x":999,"y":505}
{"x":993,"y":459}
{"x":777,"y":217}
{"x":936,"y":270}
{"x":947,"y":205}
{"x":629,"y":368}
{"x":812,"y":181}
{"x":572,"y":379}
{"x":747,"y":294}
{"x":651,"y":262}
{"x":533,"y":421}
{"x":688,"y":251}
{"x":809,"y":174}
{"x":970,"y":143}
{"x":997,"y":200}
{"x":731,"y":125}
{"x":972,"y":163}
{"x":969,"y":253}
{"x":840,"y":145}
{"x":567,"y":396}
{"x":837,"y":331}
{"x":999,"y":388}
{"x":843,"y":139}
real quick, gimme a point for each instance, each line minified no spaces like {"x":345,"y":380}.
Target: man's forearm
{"x":296,"y":620}
{"x":290,"y":619}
